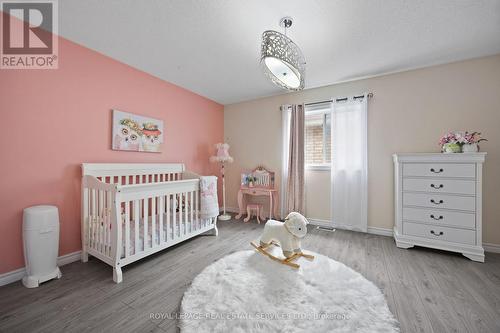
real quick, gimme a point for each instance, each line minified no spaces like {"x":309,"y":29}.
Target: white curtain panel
{"x":349,"y":164}
{"x":285,"y":127}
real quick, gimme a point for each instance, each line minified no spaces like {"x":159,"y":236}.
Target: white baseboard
{"x":380,"y":231}
{"x":18,"y":274}
{"x":320,"y":223}
{"x":490,"y":247}
{"x":69,"y":258}
{"x":12,"y":276}
{"x":371,"y":230}
{"x":232,"y":209}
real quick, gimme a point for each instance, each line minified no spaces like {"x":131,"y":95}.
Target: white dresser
{"x":438,"y":202}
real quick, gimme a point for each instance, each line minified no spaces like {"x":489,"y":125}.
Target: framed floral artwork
{"x":132,"y":132}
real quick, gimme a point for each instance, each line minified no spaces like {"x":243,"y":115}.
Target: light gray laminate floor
{"x":427,"y":290}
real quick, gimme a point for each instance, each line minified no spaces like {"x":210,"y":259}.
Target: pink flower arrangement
{"x":474,"y":137}
{"x":449,"y":137}
{"x":461,"y":138}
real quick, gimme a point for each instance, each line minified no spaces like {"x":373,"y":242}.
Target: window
{"x":318,"y":144}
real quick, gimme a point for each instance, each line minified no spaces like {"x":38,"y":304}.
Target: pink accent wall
{"x":53,"y":120}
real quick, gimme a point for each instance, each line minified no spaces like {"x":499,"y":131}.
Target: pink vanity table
{"x":262,"y":186}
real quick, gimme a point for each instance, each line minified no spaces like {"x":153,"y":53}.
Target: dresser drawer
{"x":440,"y":233}
{"x":440,"y":186}
{"x":439,"y":170}
{"x":439,"y":201}
{"x":440,"y":217}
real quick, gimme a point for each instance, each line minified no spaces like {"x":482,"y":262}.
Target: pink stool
{"x":253,"y":208}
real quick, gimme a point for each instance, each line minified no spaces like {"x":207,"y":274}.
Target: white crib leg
{"x":117,"y":274}
{"x":85,"y":256}
{"x":215,"y":231}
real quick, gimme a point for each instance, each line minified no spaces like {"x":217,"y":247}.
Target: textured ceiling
{"x":212,"y":47}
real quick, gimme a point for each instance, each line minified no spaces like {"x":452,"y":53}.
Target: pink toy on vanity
{"x":259,"y":182}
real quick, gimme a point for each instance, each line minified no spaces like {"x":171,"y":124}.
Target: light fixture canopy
{"x":282,"y":60}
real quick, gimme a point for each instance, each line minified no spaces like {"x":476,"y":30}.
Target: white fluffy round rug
{"x":248,"y":292}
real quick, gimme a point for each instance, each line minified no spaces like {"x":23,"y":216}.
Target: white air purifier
{"x":41,"y":244}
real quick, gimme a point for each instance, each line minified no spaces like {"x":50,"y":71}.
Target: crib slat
{"x":127,"y":228}
{"x":95,"y":219}
{"x":196,"y":210}
{"x":136,"y":226}
{"x":174,"y":216}
{"x":145,"y":222}
{"x":160,"y":218}
{"x":185,"y":213}
{"x":168,"y":213}
{"x":99,"y":220}
{"x":191,"y":211}
{"x":102,"y":220}
{"x":139,"y":181}
{"x":153,"y":222}
{"x":181,"y":216}
{"x":197,"y":205}
{"x":102,"y":213}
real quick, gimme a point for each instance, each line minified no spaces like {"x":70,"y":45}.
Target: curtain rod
{"x":369,"y":95}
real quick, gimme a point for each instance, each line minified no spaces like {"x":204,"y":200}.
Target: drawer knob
{"x":436,"y":218}
{"x":437,"y":202}
{"x":437,"y":187}
{"x":434,"y":170}
{"x":436,"y":234}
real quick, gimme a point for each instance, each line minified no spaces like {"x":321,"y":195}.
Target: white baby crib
{"x":130,"y":211}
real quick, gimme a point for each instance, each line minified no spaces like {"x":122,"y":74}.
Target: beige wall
{"x":317,"y":195}
{"x":408,"y":113}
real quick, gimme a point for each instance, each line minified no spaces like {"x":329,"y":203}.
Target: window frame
{"x":323,"y":109}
